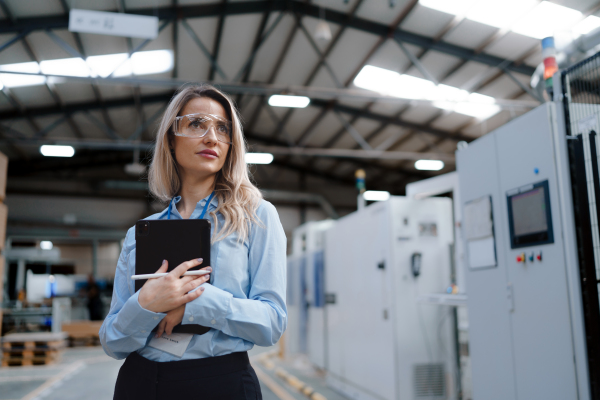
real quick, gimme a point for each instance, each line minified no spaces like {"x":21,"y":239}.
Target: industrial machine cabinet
{"x":382,"y":343}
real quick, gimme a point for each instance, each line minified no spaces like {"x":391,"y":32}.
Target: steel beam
{"x":204,"y":49}
{"x":84,"y":107}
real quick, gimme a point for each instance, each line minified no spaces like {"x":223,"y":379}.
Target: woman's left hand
{"x":173,"y":318}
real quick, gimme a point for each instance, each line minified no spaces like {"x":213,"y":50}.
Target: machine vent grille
{"x":429,"y":381}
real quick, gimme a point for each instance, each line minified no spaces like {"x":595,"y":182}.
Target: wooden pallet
{"x":84,"y":341}
{"x":54,"y":344}
{"x":32,"y":348}
{"x":25,"y":361}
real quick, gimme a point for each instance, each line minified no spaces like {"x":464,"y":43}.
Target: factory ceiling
{"x":253,"y":49}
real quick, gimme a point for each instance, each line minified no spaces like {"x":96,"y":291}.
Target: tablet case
{"x":177,"y":241}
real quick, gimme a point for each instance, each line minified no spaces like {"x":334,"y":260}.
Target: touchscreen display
{"x":529,"y":212}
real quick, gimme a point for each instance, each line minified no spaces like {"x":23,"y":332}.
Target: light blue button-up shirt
{"x":244,"y":305}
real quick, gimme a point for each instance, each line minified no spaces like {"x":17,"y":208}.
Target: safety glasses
{"x":198,"y":125}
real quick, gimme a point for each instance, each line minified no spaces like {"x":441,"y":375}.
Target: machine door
{"x":489,"y":321}
{"x":359,"y":324}
{"x":535,"y":260}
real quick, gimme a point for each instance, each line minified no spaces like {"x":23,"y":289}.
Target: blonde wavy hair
{"x":238,"y":198}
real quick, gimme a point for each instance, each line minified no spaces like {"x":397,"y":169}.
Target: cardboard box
{"x":3,"y":175}
{"x":82,"y":329}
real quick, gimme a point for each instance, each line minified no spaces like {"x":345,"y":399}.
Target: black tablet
{"x":174,"y":240}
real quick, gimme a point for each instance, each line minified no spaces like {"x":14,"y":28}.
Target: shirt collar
{"x":213,"y":205}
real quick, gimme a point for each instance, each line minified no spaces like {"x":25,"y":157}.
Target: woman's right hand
{"x":171,"y":291}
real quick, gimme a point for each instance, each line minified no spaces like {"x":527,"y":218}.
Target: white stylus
{"x":151,"y":276}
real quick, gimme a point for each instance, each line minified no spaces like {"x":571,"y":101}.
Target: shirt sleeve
{"x":128,"y":325}
{"x":262,"y":317}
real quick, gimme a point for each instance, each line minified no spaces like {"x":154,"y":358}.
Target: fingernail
{"x":200,"y":260}
{"x":208,"y":269}
{"x":164,"y":261}
{"x":201,"y":288}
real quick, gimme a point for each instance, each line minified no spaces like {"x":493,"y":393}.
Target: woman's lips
{"x":208,"y":154}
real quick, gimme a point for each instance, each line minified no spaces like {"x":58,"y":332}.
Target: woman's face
{"x":203,"y":156}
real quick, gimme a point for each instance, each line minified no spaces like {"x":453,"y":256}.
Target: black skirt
{"x":224,"y":377}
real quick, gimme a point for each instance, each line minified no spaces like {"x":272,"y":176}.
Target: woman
{"x":199,"y":159}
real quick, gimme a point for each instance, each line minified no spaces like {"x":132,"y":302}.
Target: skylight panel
{"x":65,"y":66}
{"x":545,"y":19}
{"x":377,"y":79}
{"x":104,"y":65}
{"x":442,"y":96}
{"x":456,"y":7}
{"x":499,"y":13}
{"x":479,"y":106}
{"x":14,"y":80}
{"x":152,"y":62}
{"x":392,"y":83}
{"x":587,"y":25}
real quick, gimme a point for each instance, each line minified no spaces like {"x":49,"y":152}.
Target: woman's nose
{"x":211,"y":135}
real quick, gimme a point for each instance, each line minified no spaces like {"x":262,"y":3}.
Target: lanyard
{"x":203,"y":210}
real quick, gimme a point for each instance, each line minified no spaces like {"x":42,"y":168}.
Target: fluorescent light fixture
{"x":500,"y":14}
{"x":545,"y":19}
{"x":376,"y":195}
{"x":65,"y":66}
{"x":258,"y":158}
{"x":57,"y":151}
{"x":443,"y":96}
{"x":429,"y":165}
{"x":278,"y":100}
{"x":456,"y":7}
{"x":46,"y":245}
{"x":13,"y":80}
{"x":587,"y":25}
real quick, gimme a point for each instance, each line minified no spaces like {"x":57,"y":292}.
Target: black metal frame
{"x":586,"y":74}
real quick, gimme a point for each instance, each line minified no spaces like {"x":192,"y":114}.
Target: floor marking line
{"x":73,"y":368}
{"x":277,"y":389}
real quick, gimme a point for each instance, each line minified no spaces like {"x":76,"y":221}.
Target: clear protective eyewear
{"x":198,"y":125}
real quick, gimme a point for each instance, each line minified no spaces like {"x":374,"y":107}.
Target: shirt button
{"x":190,"y":318}
{"x":143,"y":331}
{"x":155,"y":317}
{"x":213,"y":322}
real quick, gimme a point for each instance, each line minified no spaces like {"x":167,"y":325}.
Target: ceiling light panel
{"x":57,"y":151}
{"x":376,"y":195}
{"x":429,"y":165}
{"x":289,"y":101}
{"x":258,"y":158}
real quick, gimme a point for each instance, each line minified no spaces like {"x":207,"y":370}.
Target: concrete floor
{"x":87,"y":373}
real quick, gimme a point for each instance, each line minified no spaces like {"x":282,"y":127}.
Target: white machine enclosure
{"x":306,"y":288}
{"x":382,"y":343}
{"x":520,"y":313}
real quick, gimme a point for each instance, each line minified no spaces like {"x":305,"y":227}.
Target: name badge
{"x":175,"y":343}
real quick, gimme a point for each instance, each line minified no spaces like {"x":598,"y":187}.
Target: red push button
{"x":521,"y":258}
{"x":539,"y":257}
